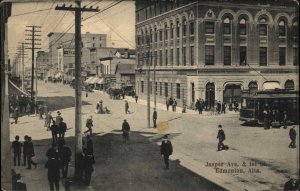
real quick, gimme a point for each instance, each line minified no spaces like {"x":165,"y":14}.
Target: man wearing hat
{"x":221,"y":137}
{"x":154,"y":117}
{"x":126,"y":107}
{"x":89,"y":125}
{"x":48,"y":120}
{"x":58,"y":118}
{"x":17,"y":150}
{"x":166,"y":149}
{"x":25,"y":148}
{"x":125,"y":130}
{"x":293,"y":135}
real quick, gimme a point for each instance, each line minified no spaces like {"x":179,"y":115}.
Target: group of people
{"x":100,"y":109}
{"x":58,"y":127}
{"x":28,"y":151}
{"x":171,"y":102}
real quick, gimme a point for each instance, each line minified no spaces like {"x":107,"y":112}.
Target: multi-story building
{"x":67,"y":41}
{"x":215,"y":49}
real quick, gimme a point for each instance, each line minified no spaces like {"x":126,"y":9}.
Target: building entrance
{"x":232,"y":93}
{"x":210,"y":95}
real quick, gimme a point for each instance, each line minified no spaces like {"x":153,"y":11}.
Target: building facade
{"x":215,"y":49}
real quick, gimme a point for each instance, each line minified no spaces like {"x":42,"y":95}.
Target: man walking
{"x":221,"y":137}
{"x":30,"y":154}
{"x":126,"y":107}
{"x":89,"y":125}
{"x":136,"y":98}
{"x":223,"y":107}
{"x":174,"y":105}
{"x":53,"y":164}
{"x":293,"y":135}
{"x":89,"y":145}
{"x":166,"y":149}
{"x":89,"y":160}
{"x":54,"y":131}
{"x":58,"y":118}
{"x":167,"y":104}
{"x":48,"y":120}
{"x":16,"y":145}
{"x":125,"y":130}
{"x":62,"y":130}
{"x":65,"y":154}
{"x":25,"y":148}
{"x":154,"y":117}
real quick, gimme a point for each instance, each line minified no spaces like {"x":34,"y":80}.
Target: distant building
{"x":215,"y":49}
{"x":42,"y":63}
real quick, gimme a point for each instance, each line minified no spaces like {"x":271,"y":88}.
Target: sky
{"x":117,"y":22}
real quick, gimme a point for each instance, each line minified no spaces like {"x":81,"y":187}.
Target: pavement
{"x":193,"y":136}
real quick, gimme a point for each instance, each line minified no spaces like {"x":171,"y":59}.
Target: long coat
{"x":166,"y":148}
{"x":53,"y":165}
{"x":221,"y":135}
{"x":292,"y":133}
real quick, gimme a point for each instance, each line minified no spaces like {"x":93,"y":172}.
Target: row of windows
{"x":166,"y":88}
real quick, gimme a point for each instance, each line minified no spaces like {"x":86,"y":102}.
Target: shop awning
{"x":15,"y":90}
{"x":271,"y":86}
{"x":96,"y":80}
{"x":89,"y":80}
{"x":100,"y":81}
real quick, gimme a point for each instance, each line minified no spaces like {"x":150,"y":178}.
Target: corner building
{"x":215,"y":49}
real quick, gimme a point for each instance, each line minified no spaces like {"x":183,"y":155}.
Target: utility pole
{"x":33,"y":38}
{"x":22,"y":52}
{"x":78,"y":80}
{"x":155,"y":85}
{"x":148,"y":84}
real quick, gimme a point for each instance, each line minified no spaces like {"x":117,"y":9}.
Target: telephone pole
{"x":78,"y":80}
{"x":33,"y":38}
{"x":148,"y":84}
{"x":22,"y":52}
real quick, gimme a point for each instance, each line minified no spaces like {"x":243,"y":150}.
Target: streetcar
{"x":280,"y":104}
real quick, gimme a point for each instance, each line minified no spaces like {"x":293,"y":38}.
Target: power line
{"x":31,"y":12}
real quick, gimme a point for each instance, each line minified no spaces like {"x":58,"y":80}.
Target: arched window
{"x":226,"y":26}
{"x":151,"y":35}
{"x":295,"y":29}
{"x":184,"y":28}
{"x":171,"y":30}
{"x":192,"y":27}
{"x":242,"y":27}
{"x":282,"y":28}
{"x":177,"y":29}
{"x":289,"y":84}
{"x":253,"y":87}
{"x":263,"y":26}
{"x":142,"y":35}
{"x":155,"y":34}
{"x":166,"y":31}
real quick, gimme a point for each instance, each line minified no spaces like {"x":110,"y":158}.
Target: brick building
{"x":215,"y":49}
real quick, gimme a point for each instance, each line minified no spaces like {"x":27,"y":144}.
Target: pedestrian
{"x":89,"y":145}
{"x":53,"y":164}
{"x":284,"y":121}
{"x":218,"y":107}
{"x":62,"y":130}
{"x":266,"y":119}
{"x":125,"y":130}
{"x":54,"y":131}
{"x":171,"y":102}
{"x":40,"y":110}
{"x":17,"y":147}
{"x":58,"y":118}
{"x":65,"y":154}
{"x":167,"y":104}
{"x":293,"y":135}
{"x":166,"y":149}
{"x":224,"y":107}
{"x":174,"y":105}
{"x":16,"y":114}
{"x":30,"y":154}
{"x":89,"y":160}
{"x":197,"y":105}
{"x":136,"y":98}
{"x":28,"y":108}
{"x":89,"y":125}
{"x":154,"y":117}
{"x":201,"y":106}
{"x":221,"y":137}
{"x":52,"y":152}
{"x":101,"y":111}
{"x":126,"y":107}
{"x":48,"y":120}
{"x":25,"y":148}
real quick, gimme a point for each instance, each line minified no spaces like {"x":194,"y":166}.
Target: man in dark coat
{"x":221,"y":137}
{"x":88,"y":167}
{"x":48,"y":120}
{"x":58,"y":118}
{"x":89,"y":145}
{"x":219,"y":107}
{"x":126,"y":107}
{"x":30,"y":154}
{"x":25,"y":148}
{"x":54,"y":131}
{"x":174,"y":105}
{"x":53,"y":164}
{"x":167,"y":104}
{"x":89,"y":125}
{"x":136,"y":98}
{"x":293,"y":135}
{"x":52,"y":152}
{"x":154,"y":117}
{"x":223,"y":107}
{"x":62,"y":130}
{"x":166,"y":149}
{"x":125,"y":130}
{"x":65,"y":154}
{"x":16,"y":145}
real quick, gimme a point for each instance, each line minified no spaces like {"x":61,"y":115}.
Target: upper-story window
{"x":226,"y":26}
{"x":242,"y":27}
{"x":142,"y":37}
{"x":155,"y":35}
{"x":166,"y":31}
{"x":93,"y":38}
{"x":263,"y":27}
{"x":282,"y":28}
{"x":171,"y":30}
{"x":160,"y":35}
{"x":184,"y":28}
{"x":151,"y":37}
{"x":295,"y":29}
{"x":177,"y":29}
{"x":192,"y":28}
{"x":209,"y":27}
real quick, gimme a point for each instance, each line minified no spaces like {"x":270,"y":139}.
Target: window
{"x":281,"y":28}
{"x":177,"y":56}
{"x":100,"y":45}
{"x":177,"y":90}
{"x":184,"y":28}
{"x":209,"y":27}
{"x":93,"y":44}
{"x":171,"y":30}
{"x":243,"y":55}
{"x":192,"y":55}
{"x":193,"y":92}
{"x":166,"y":32}
{"x":150,"y":86}
{"x":166,"y":89}
{"x":138,"y":40}
{"x":263,"y":56}
{"x":242,"y":27}
{"x":171,"y":56}
{"x":155,"y":35}
{"x":184,"y":55}
{"x":93,"y":38}
{"x":177,"y":29}
{"x":100,"y":38}
{"x":151,"y":58}
{"x":160,"y":35}
{"x":192,"y":30}
{"x":226,"y":26}
{"x":209,"y":55}
{"x":155,"y":88}
{"x":155,"y":58}
{"x":160,"y":88}
{"x":151,"y":36}
{"x":295,"y":56}
{"x":289,"y":84}
{"x":281,"y":56}
{"x":263,"y":27}
{"x":295,"y":30}
{"x":166,"y":57}
{"x":227,"y":55}
{"x":160,"y":57}
{"x":142,"y":86}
